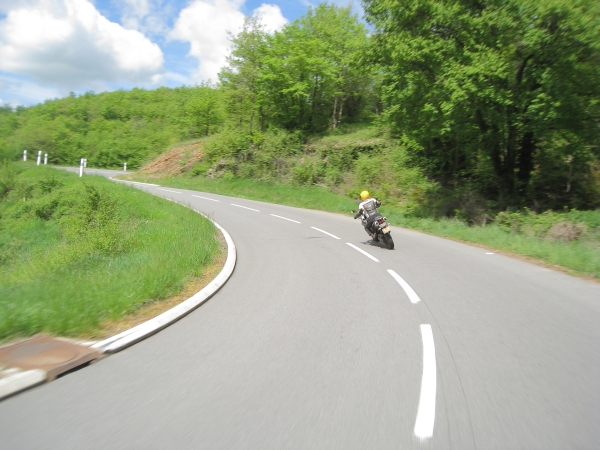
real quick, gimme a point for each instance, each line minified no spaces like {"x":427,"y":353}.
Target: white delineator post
{"x":39,"y":157}
{"x":124,"y":167}
{"x":24,"y":155}
{"x":45,"y":158}
{"x":81,"y":167}
{"x":84,"y":162}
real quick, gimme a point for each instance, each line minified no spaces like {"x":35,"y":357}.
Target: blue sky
{"x":49,"y":48}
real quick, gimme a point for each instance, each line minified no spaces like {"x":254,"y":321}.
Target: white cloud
{"x":271,"y":17}
{"x":148,"y":16}
{"x":207,"y":24}
{"x":134,"y":11}
{"x":171,"y":79}
{"x":17,"y":91}
{"x":69,"y":44}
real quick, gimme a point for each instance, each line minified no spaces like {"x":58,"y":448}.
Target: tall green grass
{"x":77,"y":252}
{"x":580,"y":256}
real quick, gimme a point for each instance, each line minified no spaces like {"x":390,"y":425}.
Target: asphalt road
{"x":314,"y":345}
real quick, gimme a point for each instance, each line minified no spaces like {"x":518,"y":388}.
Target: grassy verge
{"x":76,"y":253}
{"x":311,"y":197}
{"x":578,"y":257}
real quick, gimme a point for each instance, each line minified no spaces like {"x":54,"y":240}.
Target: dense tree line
{"x":500,"y":96}
{"x":497,"y":102}
{"x":113,"y":127}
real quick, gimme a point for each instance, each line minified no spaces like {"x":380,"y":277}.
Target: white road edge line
{"x":20,"y":381}
{"x":206,"y":198}
{"x":412,"y":295}
{"x":284,"y":218}
{"x":129,"y":337}
{"x":426,"y":413}
{"x":135,"y":182}
{"x":168,"y":190}
{"x":245,"y":207}
{"x":322,"y":231}
{"x":362,"y":251}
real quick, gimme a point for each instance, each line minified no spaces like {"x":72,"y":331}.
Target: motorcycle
{"x":380,"y":231}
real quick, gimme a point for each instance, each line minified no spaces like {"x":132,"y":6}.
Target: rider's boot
{"x":372,"y":235}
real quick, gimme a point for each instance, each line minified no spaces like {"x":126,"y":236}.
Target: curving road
{"x":317,"y":344}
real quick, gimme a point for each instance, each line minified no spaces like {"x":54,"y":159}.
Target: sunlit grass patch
{"x":90,"y":250}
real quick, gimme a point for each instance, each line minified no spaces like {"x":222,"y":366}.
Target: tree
{"x":313,"y":69}
{"x":204,"y":110}
{"x":307,"y":76}
{"x":240,"y":78}
{"x":491,"y":88}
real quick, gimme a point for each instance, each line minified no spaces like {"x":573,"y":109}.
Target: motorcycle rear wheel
{"x":388,"y":241}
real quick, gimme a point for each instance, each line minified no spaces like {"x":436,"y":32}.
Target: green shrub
{"x":304,"y":173}
{"x":8,"y":178}
{"x":201,"y":167}
{"x":281,"y":143}
{"x":227,"y":144}
{"x":563,"y":226}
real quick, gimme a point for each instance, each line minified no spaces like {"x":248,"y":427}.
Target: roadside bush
{"x":566,"y":231}
{"x":370,"y":170}
{"x":281,"y":143}
{"x":49,"y":183}
{"x":201,"y":167}
{"x":304,"y":173}
{"x":8,"y":178}
{"x":391,"y":175}
{"x":95,"y":223}
{"x":564,"y":226}
{"x":227,"y":144}
{"x":265,"y":156}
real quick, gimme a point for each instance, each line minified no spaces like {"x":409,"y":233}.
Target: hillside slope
{"x":178,"y":159}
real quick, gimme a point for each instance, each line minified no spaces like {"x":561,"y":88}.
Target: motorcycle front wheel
{"x":388,"y":241}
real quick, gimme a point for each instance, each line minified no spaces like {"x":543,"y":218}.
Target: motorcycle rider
{"x":367,"y":209}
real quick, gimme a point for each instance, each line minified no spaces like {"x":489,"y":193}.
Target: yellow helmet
{"x":364,"y":195}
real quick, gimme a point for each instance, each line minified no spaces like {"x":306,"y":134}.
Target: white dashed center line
{"x":426,"y":412}
{"x":322,"y":231}
{"x":362,"y":251}
{"x":206,"y":198}
{"x":168,"y":190}
{"x":412,"y":295}
{"x":284,"y":218}
{"x":245,"y":207}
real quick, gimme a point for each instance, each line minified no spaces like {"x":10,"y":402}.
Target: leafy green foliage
{"x":498,"y":95}
{"x":307,"y":77}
